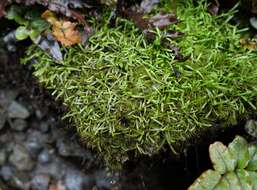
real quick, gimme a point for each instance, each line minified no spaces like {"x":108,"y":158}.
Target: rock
{"x":44,"y":127}
{"x":40,"y":182}
{"x":19,"y":125}
{"x":6,"y":97}
{"x":2,"y":157}
{"x":71,"y":148}
{"x":19,"y":180}
{"x":21,"y":159}
{"x":56,"y":168}
{"x":34,"y":142}
{"x":6,"y":172}
{"x":251,"y":128}
{"x":16,"y":110}
{"x":44,"y":156}
{"x":39,"y":114}
{"x":2,"y":118}
{"x":75,"y":180}
{"x":106,"y":180}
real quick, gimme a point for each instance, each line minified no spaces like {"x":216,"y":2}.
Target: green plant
{"x":235,"y":167}
{"x":125,"y":94}
{"x":30,"y":21}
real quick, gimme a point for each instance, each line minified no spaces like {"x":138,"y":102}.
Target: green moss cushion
{"x":123,"y":93}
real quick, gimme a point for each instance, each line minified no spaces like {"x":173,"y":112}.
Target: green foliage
{"x":235,"y":167}
{"x":32,"y":25}
{"x":122,"y":92}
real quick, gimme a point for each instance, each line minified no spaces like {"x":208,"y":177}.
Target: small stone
{"x":69,"y":148}
{"x":106,"y":180}
{"x":39,"y":114}
{"x":251,"y":128}
{"x":44,"y":127}
{"x":21,"y":159}
{"x":19,"y":180}
{"x":19,"y":125}
{"x":6,"y":172}
{"x":34,"y":142}
{"x":44,"y":156}
{"x":2,"y":118}
{"x":2,"y":156}
{"x":16,"y":110}
{"x":40,"y":182}
{"x":75,"y":180}
{"x":6,"y":97}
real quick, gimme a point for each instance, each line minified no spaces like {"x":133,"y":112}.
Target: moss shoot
{"x":122,"y":92}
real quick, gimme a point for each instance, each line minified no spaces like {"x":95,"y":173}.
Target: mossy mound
{"x":123,"y":94}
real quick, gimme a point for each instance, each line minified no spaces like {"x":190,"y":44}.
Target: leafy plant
{"x":30,"y":21}
{"x":235,"y":167}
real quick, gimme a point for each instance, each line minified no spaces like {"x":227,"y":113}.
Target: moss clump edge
{"x":122,"y":92}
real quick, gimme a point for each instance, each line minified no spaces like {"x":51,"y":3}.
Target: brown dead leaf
{"x":3,"y":4}
{"x":49,"y":16}
{"x":66,"y":33}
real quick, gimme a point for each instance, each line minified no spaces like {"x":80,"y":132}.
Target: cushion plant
{"x":122,"y":92}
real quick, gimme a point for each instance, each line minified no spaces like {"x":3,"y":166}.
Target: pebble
{"x":44,"y":156}
{"x":105,"y":180}
{"x":19,"y":180}
{"x":21,"y":159}
{"x":251,"y":128}
{"x":69,"y":148}
{"x":44,"y":127}
{"x":2,"y":118}
{"x":6,"y":172}
{"x":6,"y":97}
{"x":40,"y":182}
{"x":2,"y":157}
{"x":75,"y":180}
{"x":16,"y":110}
{"x":34,"y":142}
{"x":19,"y":125}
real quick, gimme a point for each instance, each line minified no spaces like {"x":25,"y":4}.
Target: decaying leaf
{"x":66,"y":33}
{"x":214,"y":8}
{"x":3,"y":4}
{"x":147,"y":5}
{"x":163,"y":20}
{"x":49,"y":16}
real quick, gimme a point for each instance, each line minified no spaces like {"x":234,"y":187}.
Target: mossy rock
{"x":123,"y":94}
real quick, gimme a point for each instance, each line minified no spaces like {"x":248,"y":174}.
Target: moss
{"x":122,"y":92}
